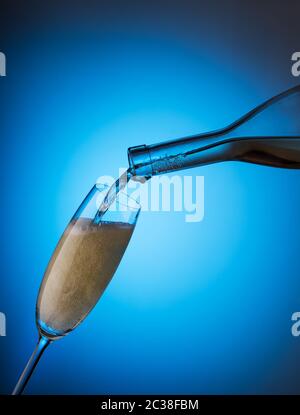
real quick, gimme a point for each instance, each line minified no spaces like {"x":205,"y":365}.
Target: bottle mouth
{"x":140,"y":162}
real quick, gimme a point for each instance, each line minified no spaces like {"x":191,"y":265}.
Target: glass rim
{"x":134,"y":206}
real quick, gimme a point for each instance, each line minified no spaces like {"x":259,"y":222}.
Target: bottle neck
{"x":148,"y":161}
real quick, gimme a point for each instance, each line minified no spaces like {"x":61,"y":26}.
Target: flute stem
{"x":32,"y":362}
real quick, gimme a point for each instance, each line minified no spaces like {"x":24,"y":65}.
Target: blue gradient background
{"x":194,"y":307}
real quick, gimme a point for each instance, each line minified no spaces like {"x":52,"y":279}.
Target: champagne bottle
{"x":267,"y":135}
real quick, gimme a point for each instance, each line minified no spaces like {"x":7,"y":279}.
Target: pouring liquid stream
{"x":114,"y":190}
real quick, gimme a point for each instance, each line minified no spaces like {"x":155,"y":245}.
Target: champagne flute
{"x":83,"y":263}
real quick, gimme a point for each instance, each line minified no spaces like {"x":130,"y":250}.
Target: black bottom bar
{"x":132,"y":404}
